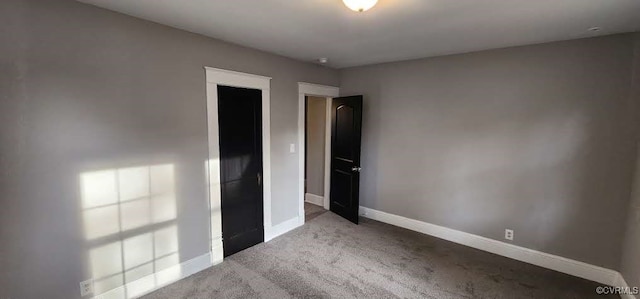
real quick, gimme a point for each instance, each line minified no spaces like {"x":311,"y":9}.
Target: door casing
{"x":215,"y":77}
{"x":323,"y":91}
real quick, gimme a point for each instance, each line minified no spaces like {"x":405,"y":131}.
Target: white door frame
{"x":328,"y":92}
{"x":217,"y":77}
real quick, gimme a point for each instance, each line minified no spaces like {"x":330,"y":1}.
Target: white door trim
{"x":214,"y":78}
{"x":329,"y":92}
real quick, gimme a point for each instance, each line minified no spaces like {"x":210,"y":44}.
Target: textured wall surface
{"x":99,"y":111}
{"x":538,"y":139}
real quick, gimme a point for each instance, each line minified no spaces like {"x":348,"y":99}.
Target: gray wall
{"x":84,"y":89}
{"x":538,"y":139}
{"x":630,"y":265}
{"x":316,"y":122}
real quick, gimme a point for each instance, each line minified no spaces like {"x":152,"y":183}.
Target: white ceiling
{"x":393,"y":30}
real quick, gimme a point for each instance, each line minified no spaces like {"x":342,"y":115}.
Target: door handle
{"x":356,"y":169}
{"x":259,"y":179}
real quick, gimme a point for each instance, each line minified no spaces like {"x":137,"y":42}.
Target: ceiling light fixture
{"x":360,"y":5}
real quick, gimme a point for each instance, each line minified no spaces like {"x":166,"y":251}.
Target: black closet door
{"x":240,"y":122}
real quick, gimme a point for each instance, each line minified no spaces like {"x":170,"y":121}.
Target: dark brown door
{"x":346,"y":129}
{"x":240,"y":121}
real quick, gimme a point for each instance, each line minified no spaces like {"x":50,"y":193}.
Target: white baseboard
{"x":279,"y":229}
{"x":545,"y":260}
{"x":155,"y":281}
{"x":314,"y":199}
{"x":621,"y":282}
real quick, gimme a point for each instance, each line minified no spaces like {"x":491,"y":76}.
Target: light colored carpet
{"x":312,"y":211}
{"x":330,"y":257}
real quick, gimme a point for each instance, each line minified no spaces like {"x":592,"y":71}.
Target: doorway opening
{"x":314,"y":137}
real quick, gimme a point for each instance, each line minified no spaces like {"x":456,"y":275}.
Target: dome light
{"x":360,"y":5}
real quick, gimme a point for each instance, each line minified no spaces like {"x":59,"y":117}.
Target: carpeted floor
{"x":312,"y":211}
{"x":331,"y":257}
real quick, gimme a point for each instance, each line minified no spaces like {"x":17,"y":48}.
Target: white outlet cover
{"x":86,"y":287}
{"x":508,"y":234}
{"x":292,"y":148}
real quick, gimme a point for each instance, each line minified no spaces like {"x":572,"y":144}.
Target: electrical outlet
{"x":508,"y":234}
{"x":292,"y":148}
{"x":86,"y":287}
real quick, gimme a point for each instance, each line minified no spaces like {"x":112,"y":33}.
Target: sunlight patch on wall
{"x":98,"y":189}
{"x":106,"y":265}
{"x":129,"y":221}
{"x":101,"y":222}
{"x":125,"y":199}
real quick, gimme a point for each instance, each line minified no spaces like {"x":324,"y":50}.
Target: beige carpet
{"x":312,"y":211}
{"x":330,"y":257}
